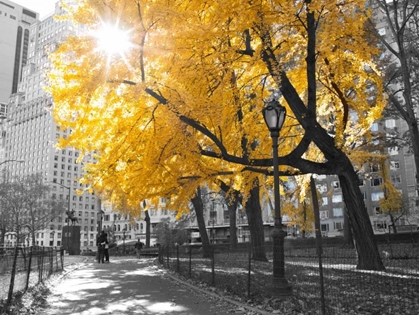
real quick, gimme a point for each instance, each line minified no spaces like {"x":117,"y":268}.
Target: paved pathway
{"x":129,"y":286}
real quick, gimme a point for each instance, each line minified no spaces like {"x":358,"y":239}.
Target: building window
{"x":380,"y":225}
{"x":325,"y":227}
{"x":335,"y":184}
{"x":338,"y":225}
{"x":337,"y":198}
{"x":324,"y":201}
{"x":376,"y":196}
{"x":322,"y":188}
{"x":396,"y":179}
{"x":390,"y":123}
{"x":394,"y":165}
{"x":337,"y":212}
{"x":374,"y":168}
{"x":377,"y":210}
{"x":393,"y":151}
{"x":323,"y":215}
{"x":376,"y":182}
{"x":382,"y":31}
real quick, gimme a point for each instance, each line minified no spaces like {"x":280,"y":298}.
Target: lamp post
{"x":274,"y":115}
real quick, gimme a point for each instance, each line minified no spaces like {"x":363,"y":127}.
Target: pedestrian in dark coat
{"x":101,"y":242}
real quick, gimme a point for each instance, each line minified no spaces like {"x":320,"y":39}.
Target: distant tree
{"x":400,"y":63}
{"x":169,"y":234}
{"x":296,"y":203}
{"x":28,"y":205}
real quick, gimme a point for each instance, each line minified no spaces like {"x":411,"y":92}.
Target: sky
{"x":43,"y":7}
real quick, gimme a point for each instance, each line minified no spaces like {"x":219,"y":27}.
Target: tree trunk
{"x":367,"y":250}
{"x":198,"y":207}
{"x":232,"y":200}
{"x":394,"y":227}
{"x":348,"y":237}
{"x":147,"y":220}
{"x":255,"y":223}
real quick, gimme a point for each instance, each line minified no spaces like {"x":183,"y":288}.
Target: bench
{"x":151,"y":251}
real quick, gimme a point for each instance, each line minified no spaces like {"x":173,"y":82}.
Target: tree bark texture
{"x":198,"y":207}
{"x":255,"y":223}
{"x":367,"y":250}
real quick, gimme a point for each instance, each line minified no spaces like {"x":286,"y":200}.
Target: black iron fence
{"x":323,"y":283}
{"x":24,"y":267}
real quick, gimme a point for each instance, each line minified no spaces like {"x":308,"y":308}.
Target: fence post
{"x":28,"y":274}
{"x":41,"y":264}
{"x":318,"y":241}
{"x":62,"y":257}
{"x":249,"y":269}
{"x":12,"y":278}
{"x":51,"y":251}
{"x":189,"y":268}
{"x":212,"y":266}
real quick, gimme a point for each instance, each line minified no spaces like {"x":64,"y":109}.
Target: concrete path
{"x":129,"y":286}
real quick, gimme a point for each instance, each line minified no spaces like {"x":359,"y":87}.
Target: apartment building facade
{"x":14,"y":45}
{"x":29,"y":132}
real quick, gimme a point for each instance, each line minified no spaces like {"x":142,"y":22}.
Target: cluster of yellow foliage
{"x":161,"y":117}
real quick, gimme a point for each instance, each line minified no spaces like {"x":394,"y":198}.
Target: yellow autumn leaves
{"x":191,"y":89}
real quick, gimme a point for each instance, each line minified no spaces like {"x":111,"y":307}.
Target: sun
{"x":112,"y":40}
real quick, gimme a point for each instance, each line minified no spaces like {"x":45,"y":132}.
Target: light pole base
{"x":279,"y":287}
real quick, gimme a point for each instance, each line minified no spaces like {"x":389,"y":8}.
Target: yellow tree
{"x":391,"y":203}
{"x":298,"y":207}
{"x":185,"y":99}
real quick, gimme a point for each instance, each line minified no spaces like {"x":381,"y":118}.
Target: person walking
{"x":101,"y":242}
{"x":106,"y":250}
{"x":138,"y":246}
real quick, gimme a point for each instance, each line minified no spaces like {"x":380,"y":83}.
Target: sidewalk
{"x":129,"y":286}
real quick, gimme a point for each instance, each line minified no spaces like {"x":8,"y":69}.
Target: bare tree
{"x":28,"y":206}
{"x":396,"y":26}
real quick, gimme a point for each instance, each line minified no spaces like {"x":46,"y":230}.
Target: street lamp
{"x":274,"y":116}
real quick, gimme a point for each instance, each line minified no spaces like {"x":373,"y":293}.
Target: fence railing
{"x":23,"y":267}
{"x":324,"y":283}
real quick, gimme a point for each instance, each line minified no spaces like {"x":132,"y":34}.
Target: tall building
{"x":14,"y":45}
{"x":30,"y":133}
